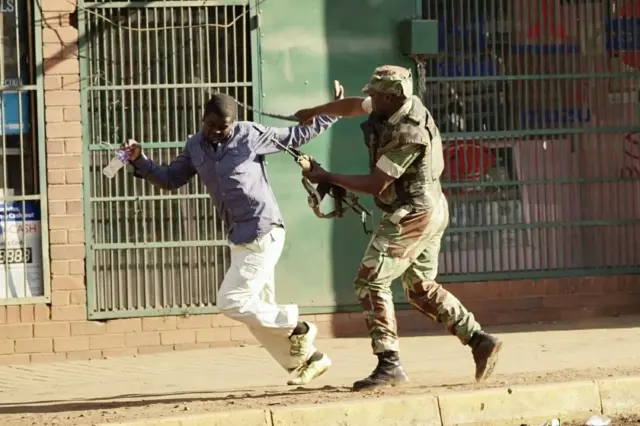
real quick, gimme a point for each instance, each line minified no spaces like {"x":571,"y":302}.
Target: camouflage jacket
{"x":407,"y":147}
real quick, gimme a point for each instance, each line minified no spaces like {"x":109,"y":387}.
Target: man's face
{"x":216,"y":128}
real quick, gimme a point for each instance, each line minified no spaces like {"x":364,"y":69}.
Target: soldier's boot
{"x":389,"y":372}
{"x":485,"y":349}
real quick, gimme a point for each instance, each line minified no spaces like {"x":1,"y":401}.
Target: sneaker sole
{"x":491,"y":363}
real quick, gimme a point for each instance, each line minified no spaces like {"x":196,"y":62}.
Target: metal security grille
{"x":24,"y":247}
{"x":148,"y":69}
{"x":538,"y":101}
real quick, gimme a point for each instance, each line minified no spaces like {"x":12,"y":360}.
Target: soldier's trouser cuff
{"x":386,"y":345}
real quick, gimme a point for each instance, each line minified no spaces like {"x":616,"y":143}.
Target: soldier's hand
{"x":317,"y":174}
{"x":338,"y":90}
{"x":305,"y":116}
{"x":133,"y":149}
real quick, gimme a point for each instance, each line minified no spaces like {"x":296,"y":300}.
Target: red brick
{"x":47,"y":358}
{"x":129,"y":325}
{"x":55,"y":146}
{"x":78,"y":297}
{"x":57,"y":207}
{"x":67,"y":252}
{"x":58,"y":236}
{"x":52,"y":82}
{"x":26,"y":314}
{"x":71,"y":344}
{"x":75,"y":207}
{"x":107,"y":341}
{"x":60,"y":298}
{"x":63,"y":65}
{"x":30,"y":346}
{"x":56,"y":177}
{"x":72,"y":114}
{"x":7,"y":347}
{"x":88,"y":328}
{"x":65,"y":192}
{"x":13,"y":314}
{"x":54,"y":115}
{"x":76,"y":236}
{"x":73,"y":176}
{"x":76,"y":267}
{"x":63,"y":130}
{"x":59,"y":267}
{"x":61,"y":98}
{"x":71,"y":82}
{"x":51,"y":329}
{"x":66,"y":222}
{"x":158,"y":323}
{"x":194,"y":321}
{"x":213,"y":335}
{"x":16,"y":331}
{"x":59,"y":6}
{"x":73,"y":146}
{"x":54,"y":19}
{"x":42,"y":313}
{"x":14,"y":359}
{"x":67,"y":282}
{"x":52,"y":50}
{"x":64,"y":161}
{"x":174,"y":337}
{"x":84,"y":355}
{"x":68,"y":313}
{"x":149,"y":338}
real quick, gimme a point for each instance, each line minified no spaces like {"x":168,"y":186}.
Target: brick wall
{"x":59,"y":331}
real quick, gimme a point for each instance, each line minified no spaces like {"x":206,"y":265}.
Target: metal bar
{"x":163,"y":4}
{"x":168,"y":86}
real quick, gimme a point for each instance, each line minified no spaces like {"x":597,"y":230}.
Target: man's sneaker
{"x":311,"y":370}
{"x":389,"y":372}
{"x":485,"y":349}
{"x":302,"y":345}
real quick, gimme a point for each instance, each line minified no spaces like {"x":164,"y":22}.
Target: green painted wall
{"x":304,"y":46}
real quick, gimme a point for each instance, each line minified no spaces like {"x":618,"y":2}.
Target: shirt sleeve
{"x":289,"y":137}
{"x":395,"y":162}
{"x":167,"y":176}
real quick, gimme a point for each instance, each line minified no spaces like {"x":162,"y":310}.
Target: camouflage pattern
{"x":408,"y":147}
{"x":406,"y":243}
{"x":392,"y":80}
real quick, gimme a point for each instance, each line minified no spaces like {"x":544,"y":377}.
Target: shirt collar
{"x":401,"y":112}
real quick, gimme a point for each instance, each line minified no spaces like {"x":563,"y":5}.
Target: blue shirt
{"x":234,"y":173}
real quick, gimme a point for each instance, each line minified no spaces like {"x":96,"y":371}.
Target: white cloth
{"x":247,"y":294}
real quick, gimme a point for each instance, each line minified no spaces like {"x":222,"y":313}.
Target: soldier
{"x":406,"y":161}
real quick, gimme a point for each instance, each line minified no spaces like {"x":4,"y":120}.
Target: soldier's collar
{"x":401,"y":112}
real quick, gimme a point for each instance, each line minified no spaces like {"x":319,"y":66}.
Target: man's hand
{"x":133,"y":149}
{"x":305,"y":116}
{"x":317,"y":174}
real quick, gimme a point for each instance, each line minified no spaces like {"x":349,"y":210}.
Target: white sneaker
{"x":302,"y":346}
{"x":310,"y":371}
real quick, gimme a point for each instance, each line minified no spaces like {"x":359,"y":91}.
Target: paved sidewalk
{"x":63,"y":393}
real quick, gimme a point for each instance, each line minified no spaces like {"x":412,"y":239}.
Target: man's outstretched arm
{"x":347,"y":107}
{"x":273,"y":139}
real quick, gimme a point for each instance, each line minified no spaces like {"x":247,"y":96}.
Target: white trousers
{"x":247,"y":294}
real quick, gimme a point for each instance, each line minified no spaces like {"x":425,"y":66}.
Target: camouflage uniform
{"x":406,"y":243}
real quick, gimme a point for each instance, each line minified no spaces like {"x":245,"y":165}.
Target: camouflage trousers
{"x":408,"y":250}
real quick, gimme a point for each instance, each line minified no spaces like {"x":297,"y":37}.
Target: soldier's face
{"x":381,"y":102}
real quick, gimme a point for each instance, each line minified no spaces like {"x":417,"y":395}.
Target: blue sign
{"x":14,"y":121}
{"x":623,"y":34}
{"x":12,"y":211}
{"x":551,"y":118}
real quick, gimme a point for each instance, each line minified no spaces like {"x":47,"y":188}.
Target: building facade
{"x":538,"y":105}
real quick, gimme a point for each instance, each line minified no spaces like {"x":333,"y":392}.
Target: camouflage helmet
{"x":391,"y":80}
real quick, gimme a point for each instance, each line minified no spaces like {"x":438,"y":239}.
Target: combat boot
{"x":389,"y":372}
{"x":485,"y":349}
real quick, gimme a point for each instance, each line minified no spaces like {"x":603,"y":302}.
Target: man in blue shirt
{"x":228,"y":156}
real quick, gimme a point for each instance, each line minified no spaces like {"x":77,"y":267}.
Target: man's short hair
{"x":222,"y":105}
